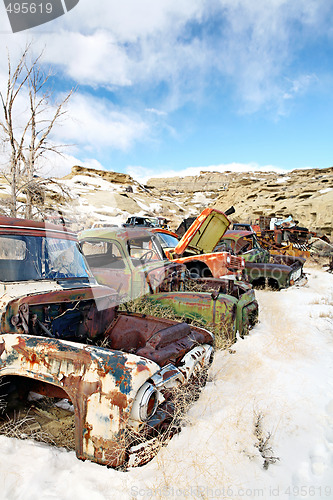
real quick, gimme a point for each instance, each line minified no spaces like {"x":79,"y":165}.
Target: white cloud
{"x":250,"y":44}
{"x":156,"y":111}
{"x":59,"y":166}
{"x":182,"y":43}
{"x":300,"y":85}
{"x":89,"y":59}
{"x":94,"y":123}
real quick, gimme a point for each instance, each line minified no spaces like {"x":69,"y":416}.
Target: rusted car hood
{"x":10,"y":291}
{"x":15,"y":298}
{"x":204,"y":233}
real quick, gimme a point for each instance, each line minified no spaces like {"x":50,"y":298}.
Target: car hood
{"x":42,"y":291}
{"x":204,"y":233}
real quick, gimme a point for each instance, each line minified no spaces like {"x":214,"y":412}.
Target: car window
{"x":167,"y":240}
{"x":226,"y":245}
{"x":105,"y":253}
{"x":24,"y":258}
{"x":244,"y":244}
{"x":12,"y":248}
{"x":143,"y":249}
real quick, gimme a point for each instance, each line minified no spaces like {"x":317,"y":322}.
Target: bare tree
{"x":28,"y":142}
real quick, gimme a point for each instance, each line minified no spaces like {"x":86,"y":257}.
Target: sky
{"x":173,"y":87}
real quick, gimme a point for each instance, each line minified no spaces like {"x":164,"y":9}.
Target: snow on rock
{"x":262,"y":428}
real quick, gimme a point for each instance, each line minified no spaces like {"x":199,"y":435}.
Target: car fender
{"x":101,"y":384}
{"x":220,"y":312}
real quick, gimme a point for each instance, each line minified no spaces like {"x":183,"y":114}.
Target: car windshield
{"x":144,"y":248}
{"x":167,"y":240}
{"x":24,"y":258}
{"x":246,"y":244}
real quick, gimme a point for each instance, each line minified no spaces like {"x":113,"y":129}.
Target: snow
{"x":326,"y":190}
{"x":283,"y":179}
{"x":280,"y":377}
{"x":199,"y":197}
{"x":87,"y":182}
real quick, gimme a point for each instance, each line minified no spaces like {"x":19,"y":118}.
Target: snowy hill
{"x":88,"y":196}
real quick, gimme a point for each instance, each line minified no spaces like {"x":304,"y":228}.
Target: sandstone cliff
{"x":88,"y":196}
{"x":305,"y":194}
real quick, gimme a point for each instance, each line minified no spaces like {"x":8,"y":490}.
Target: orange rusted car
{"x":196,"y":247}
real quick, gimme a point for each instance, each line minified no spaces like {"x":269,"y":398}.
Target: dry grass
{"x":180,"y":399}
{"x":41,"y":421}
{"x":145,"y":305}
{"x":24,"y":426}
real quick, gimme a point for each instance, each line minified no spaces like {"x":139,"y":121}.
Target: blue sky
{"x":172,"y":87}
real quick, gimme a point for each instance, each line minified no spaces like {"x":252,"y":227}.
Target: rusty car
{"x":196,"y":247}
{"x":62,"y":335}
{"x":133,"y":262}
{"x":146,"y":221}
{"x":276,"y":271}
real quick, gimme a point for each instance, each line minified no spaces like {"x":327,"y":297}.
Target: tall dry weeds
{"x":146,"y":305}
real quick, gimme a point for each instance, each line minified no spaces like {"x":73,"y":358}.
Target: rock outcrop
{"x":116,"y":177}
{"x":305,"y":194}
{"x":87,"y":196}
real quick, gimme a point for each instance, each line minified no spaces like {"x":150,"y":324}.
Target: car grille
{"x":235,"y":262}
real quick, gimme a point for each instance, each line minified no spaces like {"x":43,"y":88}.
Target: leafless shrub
{"x":180,"y":400}
{"x":263,"y":439}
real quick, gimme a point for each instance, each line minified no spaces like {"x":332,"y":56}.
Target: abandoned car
{"x":146,"y":222}
{"x":277,"y":271}
{"x":283,"y":236}
{"x":133,"y":262}
{"x":54,"y":318}
{"x":196,"y":247}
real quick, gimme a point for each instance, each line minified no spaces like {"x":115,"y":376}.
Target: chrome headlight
{"x":145,"y":403}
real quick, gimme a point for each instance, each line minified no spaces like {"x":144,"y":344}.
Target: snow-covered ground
{"x":273,"y":390}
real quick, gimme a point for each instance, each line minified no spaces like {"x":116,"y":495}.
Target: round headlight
{"x":228,"y":259}
{"x":145,"y":403}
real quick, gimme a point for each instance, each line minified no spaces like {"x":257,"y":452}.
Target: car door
{"x":109,"y":264}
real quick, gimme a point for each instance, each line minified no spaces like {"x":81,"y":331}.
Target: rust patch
{"x":113,"y":451}
{"x":29,"y":354}
{"x":87,"y":430}
{"x":117,"y":399}
{"x":141,"y":368}
{"x":85,"y":389}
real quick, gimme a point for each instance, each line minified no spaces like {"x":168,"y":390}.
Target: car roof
{"x":11,"y":225}
{"x":122,"y":233}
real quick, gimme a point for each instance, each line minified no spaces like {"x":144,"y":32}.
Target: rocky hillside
{"x":306,"y":194}
{"x":88,"y":196}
